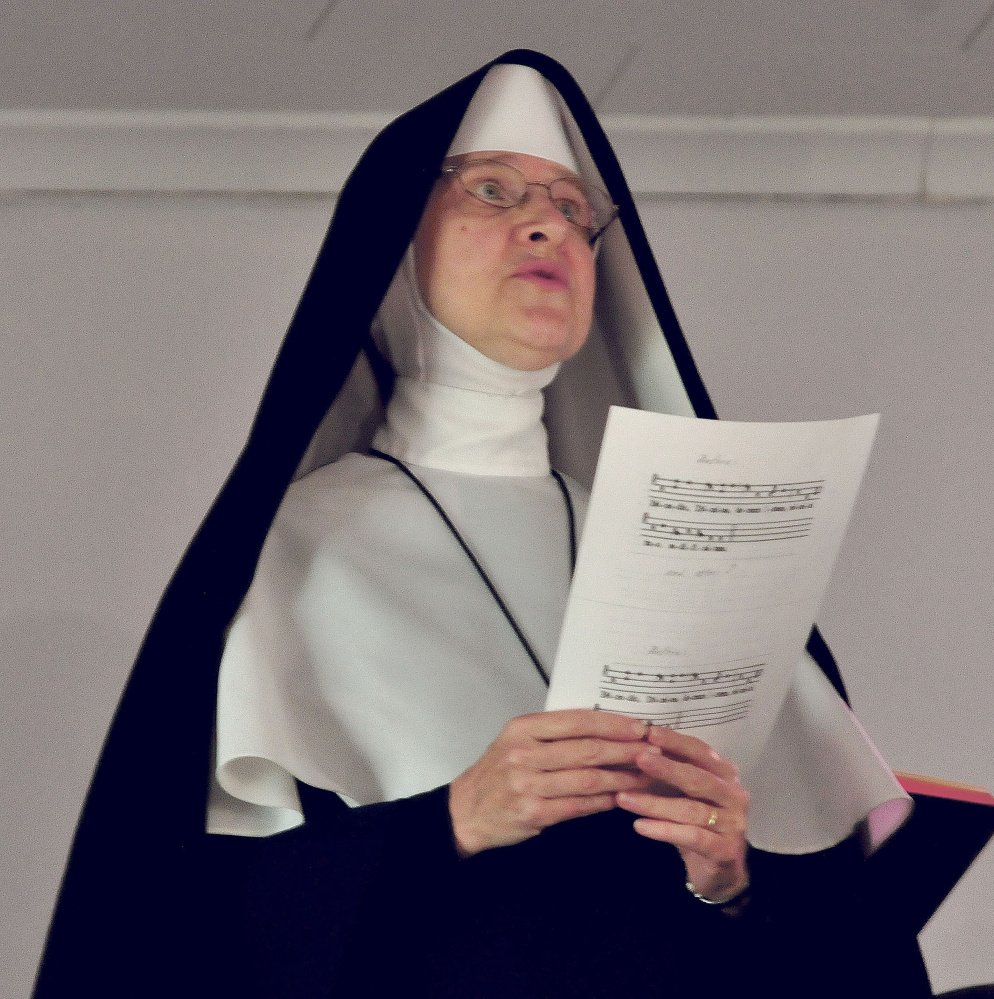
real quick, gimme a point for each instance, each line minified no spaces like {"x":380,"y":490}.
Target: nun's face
{"x":515,"y":283}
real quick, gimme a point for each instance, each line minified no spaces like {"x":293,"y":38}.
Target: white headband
{"x":515,"y":110}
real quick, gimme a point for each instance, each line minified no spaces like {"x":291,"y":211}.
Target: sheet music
{"x":706,"y":552}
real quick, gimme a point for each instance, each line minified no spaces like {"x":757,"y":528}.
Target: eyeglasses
{"x":500,"y":185}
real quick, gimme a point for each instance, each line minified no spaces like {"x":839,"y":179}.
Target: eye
{"x":570,"y":198}
{"x":491,"y":191}
{"x":493,"y":183}
{"x":577,"y":212}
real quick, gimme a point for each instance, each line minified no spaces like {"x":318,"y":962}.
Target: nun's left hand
{"x":700,"y":808}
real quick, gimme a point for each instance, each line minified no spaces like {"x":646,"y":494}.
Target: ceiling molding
{"x":833,"y":157}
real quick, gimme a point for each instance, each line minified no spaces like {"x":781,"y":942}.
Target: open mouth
{"x":546,"y":273}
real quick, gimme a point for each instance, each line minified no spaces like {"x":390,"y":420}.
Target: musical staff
{"x":649,"y":681}
{"x":689,"y":717}
{"x":733,"y":492}
{"x":724,"y":533}
{"x":674,"y":699}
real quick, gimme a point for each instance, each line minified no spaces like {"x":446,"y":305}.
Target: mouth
{"x":545,"y":273}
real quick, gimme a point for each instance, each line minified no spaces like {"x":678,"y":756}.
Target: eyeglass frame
{"x":453,"y":169}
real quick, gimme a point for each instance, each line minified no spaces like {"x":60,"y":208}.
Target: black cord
{"x":473,"y":559}
{"x":572,"y":520}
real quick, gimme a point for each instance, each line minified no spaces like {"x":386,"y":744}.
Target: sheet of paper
{"x":705,"y":555}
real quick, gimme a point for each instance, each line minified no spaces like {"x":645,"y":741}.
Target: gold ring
{"x":713,"y":821}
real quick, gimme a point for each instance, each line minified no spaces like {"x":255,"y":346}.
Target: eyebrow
{"x":467,"y":158}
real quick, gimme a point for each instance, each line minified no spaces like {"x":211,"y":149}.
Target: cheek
{"x":457,"y":291}
{"x":585,"y":295}
{"x":438,"y":248}
{"x":466,"y":266}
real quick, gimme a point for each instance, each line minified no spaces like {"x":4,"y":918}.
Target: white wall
{"x":137,"y":332}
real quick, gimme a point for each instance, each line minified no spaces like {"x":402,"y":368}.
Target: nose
{"x":541,"y":221}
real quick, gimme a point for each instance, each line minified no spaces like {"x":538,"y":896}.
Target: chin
{"x":530,"y":355}
{"x":549,"y":341}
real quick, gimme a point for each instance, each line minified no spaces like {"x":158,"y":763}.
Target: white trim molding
{"x":843,"y":157}
{"x":241,"y":152}
{"x":181,"y":151}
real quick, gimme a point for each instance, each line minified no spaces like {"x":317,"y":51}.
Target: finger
{"x":572,"y":783}
{"x":685,"y":811}
{"x":694,"y":781}
{"x":574,"y":754}
{"x":577,"y":723}
{"x":652,"y":806}
{"x":551,"y":811}
{"x":716,"y":849}
{"x":693,"y":750}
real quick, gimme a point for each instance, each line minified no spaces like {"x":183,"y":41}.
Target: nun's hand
{"x":698,"y":805}
{"x":543,"y":769}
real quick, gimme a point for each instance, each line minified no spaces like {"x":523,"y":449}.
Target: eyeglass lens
{"x":503,"y":186}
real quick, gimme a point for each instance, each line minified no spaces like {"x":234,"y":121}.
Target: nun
{"x":330,"y":773}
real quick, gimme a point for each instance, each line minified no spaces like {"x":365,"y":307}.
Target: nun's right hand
{"x":543,"y":769}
